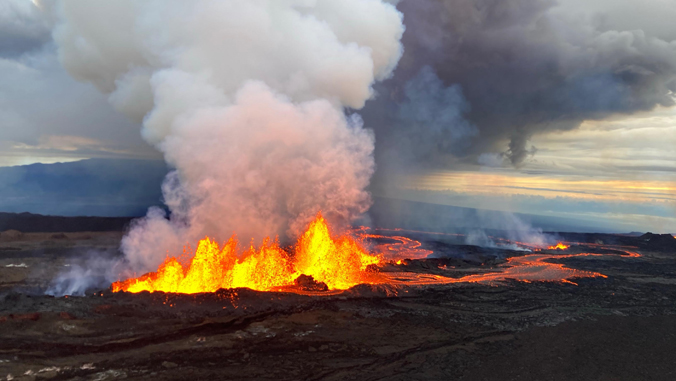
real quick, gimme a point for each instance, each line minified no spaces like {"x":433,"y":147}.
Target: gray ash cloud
{"x":517,"y":68}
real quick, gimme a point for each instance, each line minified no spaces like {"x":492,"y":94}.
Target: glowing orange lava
{"x":403,"y":247}
{"x":339,"y":262}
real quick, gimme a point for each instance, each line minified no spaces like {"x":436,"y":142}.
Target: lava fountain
{"x":339,"y":262}
{"x":559,"y":246}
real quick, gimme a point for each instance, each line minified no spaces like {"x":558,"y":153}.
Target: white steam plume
{"x":511,"y":227}
{"x":246,"y":100}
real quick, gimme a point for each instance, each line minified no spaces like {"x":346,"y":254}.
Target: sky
{"x":46,"y":115}
{"x":595,"y":141}
{"x":619,"y":174}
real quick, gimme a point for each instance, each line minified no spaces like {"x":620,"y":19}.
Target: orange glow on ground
{"x":534,"y":267}
{"x":526,"y":268}
{"x":339,"y":262}
{"x":558,"y":246}
{"x":403,"y":247}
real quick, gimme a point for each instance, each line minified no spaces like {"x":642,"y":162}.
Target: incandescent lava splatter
{"x":340,"y":263}
{"x":558,"y":246}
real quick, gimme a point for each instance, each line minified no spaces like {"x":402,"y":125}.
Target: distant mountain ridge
{"x":396,"y":213}
{"x":385,"y":213}
{"x":95,"y":187}
{"x":36,"y":223}
{"x":126,"y":188}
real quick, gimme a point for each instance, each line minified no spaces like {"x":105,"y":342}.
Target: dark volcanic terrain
{"x":621,"y":327}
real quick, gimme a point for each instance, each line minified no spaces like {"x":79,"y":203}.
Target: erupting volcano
{"x":321,"y":262}
{"x":339,"y":262}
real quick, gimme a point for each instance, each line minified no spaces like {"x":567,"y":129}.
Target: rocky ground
{"x":622,"y":327}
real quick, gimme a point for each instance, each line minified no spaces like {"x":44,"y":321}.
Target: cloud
{"x":426,"y":125}
{"x":529,"y":67}
{"x":564,"y":213}
{"x":491,"y":159}
{"x":41,"y":107}
{"x":45,"y":114}
{"x":638,"y":148}
{"x":655,"y":17}
{"x":23,"y":28}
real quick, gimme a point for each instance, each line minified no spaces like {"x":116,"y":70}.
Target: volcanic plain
{"x":602,"y":309}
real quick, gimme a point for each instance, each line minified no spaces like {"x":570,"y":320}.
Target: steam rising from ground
{"x":512,"y":228}
{"x":95,"y":269}
{"x":245,"y":99}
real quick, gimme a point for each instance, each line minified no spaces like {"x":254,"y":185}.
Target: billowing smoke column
{"x":514,"y":68}
{"x":246,"y":100}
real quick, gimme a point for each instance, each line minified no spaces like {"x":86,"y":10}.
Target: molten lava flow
{"x":558,"y":246}
{"x":340,"y":263}
{"x":403,"y":247}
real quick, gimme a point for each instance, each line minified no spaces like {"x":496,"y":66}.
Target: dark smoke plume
{"x":516,"y":68}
